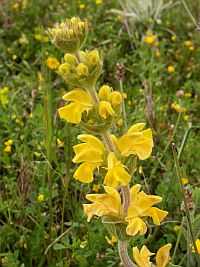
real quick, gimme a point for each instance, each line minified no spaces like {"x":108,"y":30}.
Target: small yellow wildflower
{"x":187,"y":95}
{"x":17,"y":121}
{"x":187,"y":43}
{"x":23,"y":39}
{"x":4,"y":260}
{"x":150,"y":39}
{"x":14,"y":57}
{"x":7,"y":149}
{"x":124,"y":95}
{"x":170,"y":69}
{"x":40,"y":198}
{"x":191,"y":48}
{"x":40,"y":77}
{"x":15,"y":5}
{"x":129,"y":102}
{"x":8,"y":143}
{"x":158,"y":53}
{"x":83,"y":244}
{"x":186,"y":117}
{"x":140,"y":90}
{"x":198,"y":246}
{"x":185,"y":181}
{"x":41,"y":38}
{"x":112,"y":240}
{"x":98,"y":2}
{"x":105,"y":109}
{"x":150,"y":20}
{"x":120,"y":122}
{"x":173,"y":38}
{"x":177,"y":228}
{"x":81,"y":6}
{"x":96,"y":187}
{"x":178,"y":108}
{"x":31,"y":115}
{"x":119,"y":17}
{"x":52,"y":63}
{"x":59,"y":142}
{"x":140,"y":170}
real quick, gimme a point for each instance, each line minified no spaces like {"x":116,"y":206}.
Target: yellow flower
{"x":189,"y":95}
{"x":89,"y":154}
{"x":174,"y":37}
{"x":140,"y":170}
{"x":14,"y":57}
{"x":120,"y":122}
{"x":178,"y":108}
{"x":84,"y":244}
{"x":116,"y":173}
{"x":112,"y":240}
{"x":40,"y":198}
{"x":163,"y":256}
{"x":40,"y":77}
{"x":17,"y":121}
{"x":170,"y":69}
{"x":41,"y":38}
{"x":198,"y":246}
{"x":119,"y":17}
{"x":187,"y":43}
{"x":15,"y":5}
{"x":140,"y":208}
{"x":150,"y":39}
{"x":158,"y":53}
{"x":186,"y":117}
{"x":80,"y":102}
{"x":59,"y":142}
{"x":191,"y":48}
{"x":81,"y":6}
{"x":185,"y":181}
{"x":105,"y":109}
{"x":7,"y":149}
{"x":98,"y":2}
{"x":96,"y":187}
{"x":23,"y":39}
{"x":104,"y":92}
{"x":115,"y":98}
{"x":31,"y":115}
{"x":52,"y":63}
{"x":4,"y":260}
{"x":177,"y":228}
{"x":82,"y":70}
{"x":142,"y":257}
{"x":136,"y":142}
{"x":9,"y":142}
{"x":103,"y":204}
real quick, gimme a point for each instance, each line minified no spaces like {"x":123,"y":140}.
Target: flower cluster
{"x":103,"y":152}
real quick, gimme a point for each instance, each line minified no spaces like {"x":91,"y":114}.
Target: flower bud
{"x":115,"y":98}
{"x":69,"y":35}
{"x":105,"y":109}
{"x":104,"y":92}
{"x":70,"y":58}
{"x":93,"y":57}
{"x":82,"y":70}
{"x":64,"y":69}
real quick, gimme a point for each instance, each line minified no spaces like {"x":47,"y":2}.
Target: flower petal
{"x":79,"y":96}
{"x":136,"y":225}
{"x":84,"y":172}
{"x":163,"y":256}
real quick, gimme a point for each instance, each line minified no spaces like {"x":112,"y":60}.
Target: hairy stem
{"x":123,"y":253}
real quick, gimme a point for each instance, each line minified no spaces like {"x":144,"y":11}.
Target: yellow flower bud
{"x":81,"y":25}
{"x":41,"y":197}
{"x":93,"y":57}
{"x":105,"y":109}
{"x":74,"y":20}
{"x":115,"y":98}
{"x":70,"y":58}
{"x":104,"y":92}
{"x":82,"y":70}
{"x":7,"y":149}
{"x":64,"y":69}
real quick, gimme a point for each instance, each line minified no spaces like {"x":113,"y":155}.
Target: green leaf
{"x":59,"y":247}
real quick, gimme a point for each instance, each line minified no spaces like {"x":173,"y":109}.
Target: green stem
{"x":49,"y":135}
{"x":123,"y":105}
{"x":178,"y":240}
{"x":189,"y":13}
{"x":185,"y":202}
